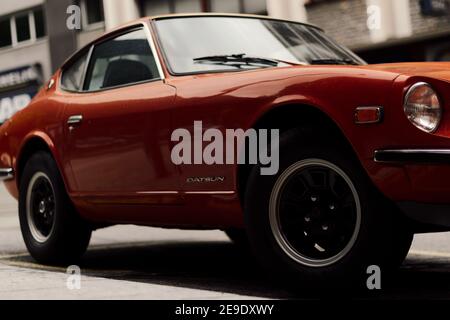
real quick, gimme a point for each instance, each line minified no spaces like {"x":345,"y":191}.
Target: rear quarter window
{"x":72,"y":76}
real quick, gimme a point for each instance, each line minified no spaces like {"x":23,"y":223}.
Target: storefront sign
{"x":17,"y":88}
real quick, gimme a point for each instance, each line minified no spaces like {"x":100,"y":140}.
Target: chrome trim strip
{"x":156,"y":192}
{"x":413,"y":156}
{"x":6,"y":174}
{"x":50,"y":84}
{"x":152,"y":44}
{"x":210,"y":192}
{"x":76,"y":119}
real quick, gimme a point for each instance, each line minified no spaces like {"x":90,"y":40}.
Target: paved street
{"x":129,"y":262}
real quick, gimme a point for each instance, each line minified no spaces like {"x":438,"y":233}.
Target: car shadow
{"x":225,"y":267}
{"x":214,"y":266}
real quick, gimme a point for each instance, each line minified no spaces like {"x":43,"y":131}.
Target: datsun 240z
{"x":364,"y":149}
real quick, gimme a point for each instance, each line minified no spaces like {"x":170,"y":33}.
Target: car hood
{"x":437,"y":70}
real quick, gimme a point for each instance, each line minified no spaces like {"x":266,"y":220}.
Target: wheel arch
{"x":294,"y":115}
{"x":35,"y":142}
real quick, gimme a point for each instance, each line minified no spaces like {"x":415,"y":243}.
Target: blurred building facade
{"x":34,"y":39}
{"x":407,"y":30}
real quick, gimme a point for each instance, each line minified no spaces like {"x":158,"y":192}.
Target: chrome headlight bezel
{"x":433,"y":125}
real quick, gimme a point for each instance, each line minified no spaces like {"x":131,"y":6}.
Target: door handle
{"x":74,"y":120}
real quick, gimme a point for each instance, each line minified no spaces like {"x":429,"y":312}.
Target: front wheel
{"x":315,"y":213}
{"x":51,"y":228}
{"x":319,"y":221}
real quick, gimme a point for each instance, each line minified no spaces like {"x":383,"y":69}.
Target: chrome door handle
{"x":73,"y":120}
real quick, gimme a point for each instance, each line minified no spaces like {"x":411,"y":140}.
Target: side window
{"x":120,"y":61}
{"x":72,"y":76}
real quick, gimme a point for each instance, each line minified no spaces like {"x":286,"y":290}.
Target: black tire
{"x":404,"y":241}
{"x":403,"y":237}
{"x":238,"y":237}
{"x":51,"y":228}
{"x":373,"y":238}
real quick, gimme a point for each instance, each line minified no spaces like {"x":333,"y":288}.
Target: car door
{"x":118,"y":127}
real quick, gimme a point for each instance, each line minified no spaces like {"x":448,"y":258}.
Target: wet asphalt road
{"x":129,"y":262}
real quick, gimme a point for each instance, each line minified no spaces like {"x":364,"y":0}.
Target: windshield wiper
{"x":333,"y":61}
{"x":237,"y":60}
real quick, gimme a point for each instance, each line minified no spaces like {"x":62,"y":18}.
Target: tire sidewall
{"x":66,"y":223}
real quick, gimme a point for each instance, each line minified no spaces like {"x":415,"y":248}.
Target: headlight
{"x":422,"y":107}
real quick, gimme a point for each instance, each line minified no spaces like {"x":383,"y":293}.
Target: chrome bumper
{"x":6,"y":174}
{"x":422,"y":156}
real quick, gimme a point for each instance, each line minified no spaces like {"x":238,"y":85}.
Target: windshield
{"x":187,"y":41}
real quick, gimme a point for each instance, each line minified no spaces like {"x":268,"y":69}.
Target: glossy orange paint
{"x":117,"y":167}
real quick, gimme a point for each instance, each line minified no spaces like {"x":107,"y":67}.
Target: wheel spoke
{"x":315,"y":179}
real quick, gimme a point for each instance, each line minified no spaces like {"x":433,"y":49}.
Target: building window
{"x":92,"y":14}
{"x":39,"y":22}
{"x":157,"y":7}
{"x":5,"y":33}
{"x":23,"y":28}
{"x":434,"y":8}
{"x":160,"y":7}
{"x":94,"y":11}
